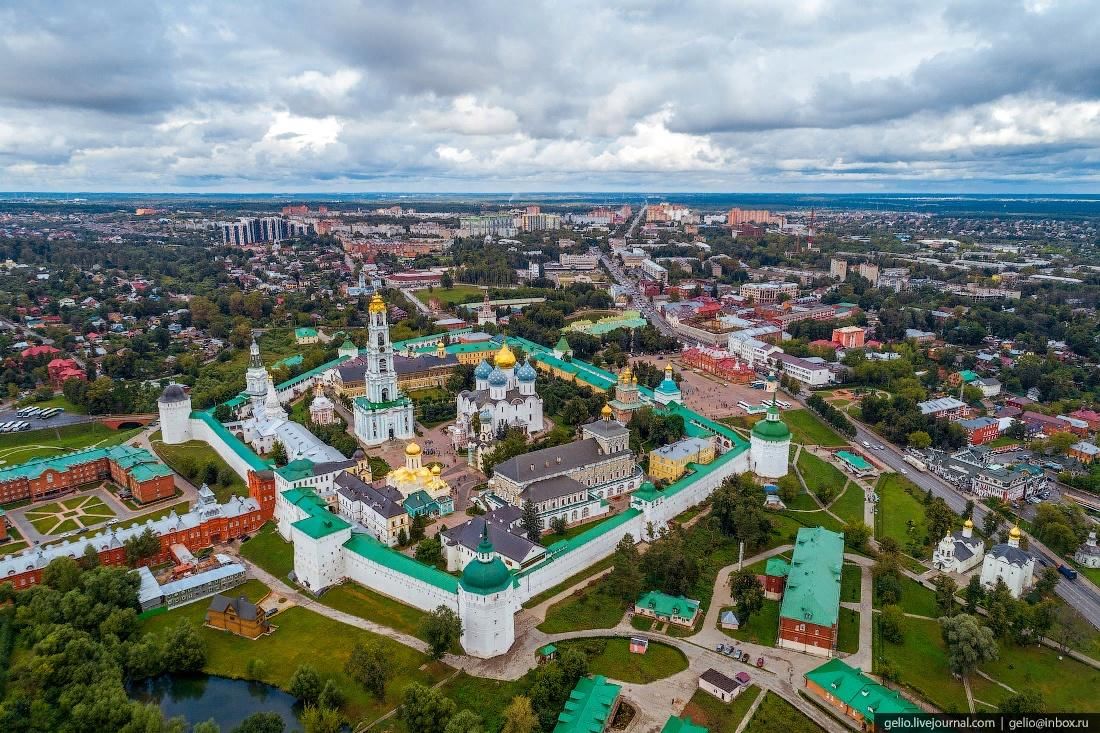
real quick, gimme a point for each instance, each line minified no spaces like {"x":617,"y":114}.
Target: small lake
{"x":202,"y":697}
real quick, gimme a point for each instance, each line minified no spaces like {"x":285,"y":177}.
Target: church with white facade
{"x":503,"y":395}
{"x":1009,"y":563}
{"x":383,"y":412}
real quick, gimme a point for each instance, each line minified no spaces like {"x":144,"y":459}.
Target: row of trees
{"x":831,"y":415}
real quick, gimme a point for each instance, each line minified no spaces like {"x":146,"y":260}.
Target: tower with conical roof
{"x":487,"y":602}
{"x":770,"y":439}
{"x":255,"y":379}
{"x":383,"y":412}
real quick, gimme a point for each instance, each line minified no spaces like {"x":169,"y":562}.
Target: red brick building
{"x":62,"y":370}
{"x":45,"y":478}
{"x":980,"y":430}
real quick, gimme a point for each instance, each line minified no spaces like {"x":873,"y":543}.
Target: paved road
{"x":638,"y":300}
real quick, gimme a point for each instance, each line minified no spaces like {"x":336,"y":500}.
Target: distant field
{"x":451,"y":296}
{"x":805,"y":427}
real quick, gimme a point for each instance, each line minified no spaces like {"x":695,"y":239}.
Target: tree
{"x":425,"y":709}
{"x":464,"y":721}
{"x":206,"y":726}
{"x":624,"y":582}
{"x":442,"y":629}
{"x":532,"y":525}
{"x":316,"y":719}
{"x":969,"y":644}
{"x":429,"y":550}
{"x":945,"y":594}
{"x":747,"y":593}
{"x":278,"y":453}
{"x":402,"y":537}
{"x":1047,"y":582}
{"x":940,"y":518}
{"x":184,"y":649}
{"x":1070,"y":629}
{"x":89,"y":559}
{"x":857,"y":535}
{"x":891,"y":623}
{"x":63,"y":574}
{"x":519,"y":717}
{"x":305,"y":684}
{"x":331,"y":696}
{"x":142,"y":547}
{"x":919,"y":439}
{"x":1029,"y":701}
{"x":974,"y":594}
{"x":369,"y":666}
{"x":261,"y":723}
{"x":1002,"y":609}
{"x":558,"y":525}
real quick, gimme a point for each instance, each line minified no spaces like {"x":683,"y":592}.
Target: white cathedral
{"x":503,"y":396}
{"x":383,"y":412}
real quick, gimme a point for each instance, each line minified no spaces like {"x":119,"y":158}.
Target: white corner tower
{"x":770,"y":440}
{"x":174,"y":406}
{"x":486,"y":602}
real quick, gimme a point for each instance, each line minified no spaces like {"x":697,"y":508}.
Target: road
{"x":1080,"y":594}
{"x":637,"y":299}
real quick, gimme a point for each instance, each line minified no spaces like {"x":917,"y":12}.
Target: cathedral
{"x":503,"y":396}
{"x":383,"y":412}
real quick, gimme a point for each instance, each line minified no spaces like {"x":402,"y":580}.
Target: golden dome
{"x":1015,"y":532}
{"x":412,"y":449}
{"x":606,"y":411}
{"x":968,"y":524}
{"x":624,"y":375}
{"x":505,"y":359}
{"x":376,"y":304}
{"x":436,"y":470}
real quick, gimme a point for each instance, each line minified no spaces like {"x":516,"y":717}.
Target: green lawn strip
{"x":10,"y":547}
{"x":896,"y":506}
{"x":641,"y":623}
{"x":814,"y":519}
{"x":849,"y":505}
{"x":720,"y":717}
{"x":451,"y":296}
{"x":776,"y":714}
{"x":1065,"y":684}
{"x":268,"y":550}
{"x":850,"y":579}
{"x":803,"y":502}
{"x":181,"y":508}
{"x":74,"y":502}
{"x":570,"y":582}
{"x":18,"y":448}
{"x":916,"y":599}
{"x":190,"y":459}
{"x":304,"y":637}
{"x":67,"y":526}
{"x":45,"y":525}
{"x":821,"y":477}
{"x":365,"y":603}
{"x":611,"y":657}
{"x":921,"y":663}
{"x":56,"y":401}
{"x":807,"y":429}
{"x":587,"y":608}
{"x":847,"y":634}
{"x":90,"y":520}
{"x":52,"y":508}
{"x":762,"y":627}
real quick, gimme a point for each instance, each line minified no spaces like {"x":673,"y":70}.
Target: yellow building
{"x":414,"y":476}
{"x":670,"y":462}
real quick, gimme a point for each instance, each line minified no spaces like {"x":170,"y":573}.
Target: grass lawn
{"x":775,"y":713}
{"x":1065,"y":685}
{"x":849,"y":505}
{"x":362,"y":602}
{"x":268,"y":550}
{"x":814,"y":519}
{"x":181,"y":508}
{"x":807,"y":429}
{"x":612,"y":658}
{"x":304,"y":637}
{"x":921,"y":661}
{"x":642,"y":623}
{"x":11,"y":547}
{"x":587,"y":608}
{"x":570,"y":582}
{"x":850,"y":577}
{"x":762,"y":627}
{"x":847,"y":633}
{"x":484,"y":696}
{"x":916,"y":599}
{"x":192,"y":458}
{"x":56,"y":401}
{"x":896,"y":507}
{"x":717,"y":716}
{"x":451,"y":296}
{"x":18,"y":448}
{"x":571,"y":532}
{"x":822,"y":478}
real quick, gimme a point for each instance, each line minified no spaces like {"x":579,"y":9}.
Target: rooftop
{"x":812,"y":594}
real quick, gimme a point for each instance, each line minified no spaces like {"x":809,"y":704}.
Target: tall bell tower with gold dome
{"x":383,"y":412}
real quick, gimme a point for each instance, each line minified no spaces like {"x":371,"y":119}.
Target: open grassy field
{"x":486,"y":697}
{"x":611,"y":657}
{"x":762,"y":627}
{"x":806,"y":428}
{"x":1064,"y":684}
{"x":22,"y":447}
{"x":365,"y":603}
{"x":849,"y":505}
{"x":776,"y":714}
{"x":717,"y":716}
{"x":921,"y":660}
{"x":570,"y":582}
{"x":896,"y":507}
{"x":56,"y":401}
{"x":268,"y":550}
{"x":847,"y":633}
{"x":450,"y":296}
{"x":587,"y":608}
{"x":304,"y":637}
{"x":850,"y":577}
{"x":81,"y":511}
{"x":200,"y":464}
{"x":822,"y":478}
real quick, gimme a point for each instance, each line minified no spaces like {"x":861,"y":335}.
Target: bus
{"x":48,"y":413}
{"x":919,"y":465}
{"x":743,"y":405}
{"x":784,"y":405}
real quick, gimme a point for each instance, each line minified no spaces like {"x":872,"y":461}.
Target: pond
{"x":201,"y":697}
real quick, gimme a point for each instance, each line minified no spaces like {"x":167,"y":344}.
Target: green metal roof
{"x":290,"y":361}
{"x":296,"y":470}
{"x":320,"y":522}
{"x":417,"y":500}
{"x":857,"y":462}
{"x":812,"y":593}
{"x":663,"y":604}
{"x":127,"y":457}
{"x":150,"y":471}
{"x":775,"y":431}
{"x":563,"y":346}
{"x":589,"y":706}
{"x":777,"y":567}
{"x":243,"y":451}
{"x":858,"y":691}
{"x":968,"y":375}
{"x":369,"y":406}
{"x":486,"y":576}
{"x":548,"y":650}
{"x":375,"y":551}
{"x":305,"y":332}
{"x":681,"y":725}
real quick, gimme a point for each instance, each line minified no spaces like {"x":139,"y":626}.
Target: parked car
{"x":1067,"y":572}
{"x":760,"y":662}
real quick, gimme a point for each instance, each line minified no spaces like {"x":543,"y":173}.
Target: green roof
{"x":305,"y":332}
{"x":375,"y":551}
{"x":150,"y":471}
{"x":858,"y":691}
{"x":296,"y":470}
{"x":290,"y":361}
{"x":320,"y":522}
{"x":485,"y":577}
{"x":418,"y":500}
{"x":812,"y":593}
{"x":968,"y":375}
{"x":681,"y":725}
{"x":775,"y":431}
{"x":243,"y":451}
{"x":589,"y":706}
{"x":127,"y":457}
{"x":777,"y":567}
{"x":857,"y":462}
{"x":369,"y":406}
{"x":663,"y":604}
{"x":548,"y":650}
{"x":563,"y":346}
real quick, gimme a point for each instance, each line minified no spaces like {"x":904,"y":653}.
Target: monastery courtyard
{"x":706,"y":394}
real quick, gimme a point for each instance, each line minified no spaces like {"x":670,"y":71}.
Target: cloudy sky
{"x":723,"y":95}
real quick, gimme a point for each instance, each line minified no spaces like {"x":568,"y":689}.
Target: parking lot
{"x":62,"y":418}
